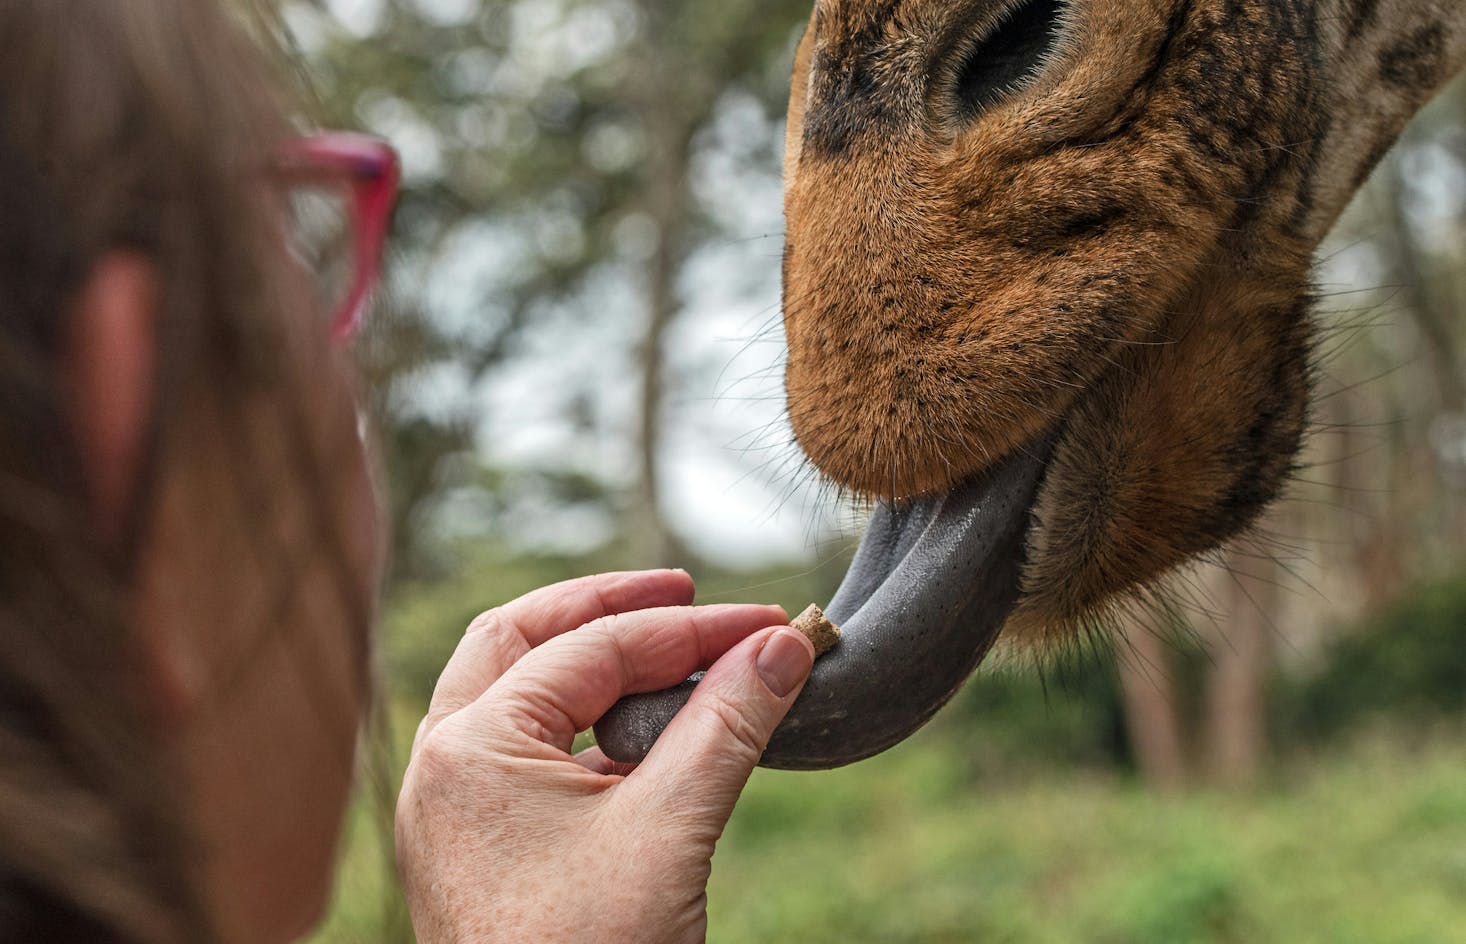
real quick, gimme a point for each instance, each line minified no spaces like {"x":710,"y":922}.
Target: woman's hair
{"x":124,"y":124}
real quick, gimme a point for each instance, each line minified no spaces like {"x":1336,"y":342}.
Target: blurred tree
{"x":1154,"y":715}
{"x":548,"y":148}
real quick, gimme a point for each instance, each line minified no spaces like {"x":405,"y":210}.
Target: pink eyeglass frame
{"x":372,"y":172}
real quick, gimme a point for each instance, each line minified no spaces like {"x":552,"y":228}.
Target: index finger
{"x":562,"y":688}
{"x":502,"y":636}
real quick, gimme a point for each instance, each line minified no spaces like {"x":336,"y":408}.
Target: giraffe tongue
{"x":926,"y":596}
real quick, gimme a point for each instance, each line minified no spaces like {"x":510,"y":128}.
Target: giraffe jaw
{"x":930,"y":588}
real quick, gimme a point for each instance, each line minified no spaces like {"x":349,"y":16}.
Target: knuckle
{"x":607,"y":635}
{"x":535,"y":712}
{"x":730,"y":723}
{"x":492,"y":638}
{"x":437,"y":760}
{"x":609,"y":625}
{"x":423,"y":727}
{"x":603,"y":601}
{"x":443,"y":758}
{"x":499,"y":629}
{"x":489,"y":621}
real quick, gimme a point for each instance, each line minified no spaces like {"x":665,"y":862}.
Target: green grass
{"x":1366,"y":844}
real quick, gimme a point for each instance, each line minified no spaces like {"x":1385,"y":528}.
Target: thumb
{"x":700,"y":764}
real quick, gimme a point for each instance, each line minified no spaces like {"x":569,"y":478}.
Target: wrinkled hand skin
{"x":504,"y":835}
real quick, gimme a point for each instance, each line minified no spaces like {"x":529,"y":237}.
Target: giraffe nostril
{"x":1009,"y":56}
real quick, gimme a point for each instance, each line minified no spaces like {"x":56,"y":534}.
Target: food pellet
{"x":818,"y":629}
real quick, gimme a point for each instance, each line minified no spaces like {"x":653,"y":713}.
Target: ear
{"x":108,"y":377}
{"x":108,"y":382}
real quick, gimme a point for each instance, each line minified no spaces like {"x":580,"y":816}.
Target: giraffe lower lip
{"x":925,"y":598}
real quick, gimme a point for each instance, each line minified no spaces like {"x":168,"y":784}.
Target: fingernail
{"x":784,"y":661}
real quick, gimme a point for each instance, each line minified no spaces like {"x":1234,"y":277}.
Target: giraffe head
{"x":1086,"y":223}
{"x":1046,"y":291}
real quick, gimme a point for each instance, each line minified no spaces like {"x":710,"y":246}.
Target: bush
{"x":1065,"y":713}
{"x":1407,"y":664}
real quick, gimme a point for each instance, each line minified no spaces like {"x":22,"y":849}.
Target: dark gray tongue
{"x":926,"y":596}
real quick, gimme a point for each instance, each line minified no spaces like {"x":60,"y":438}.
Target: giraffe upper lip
{"x":926,"y":596}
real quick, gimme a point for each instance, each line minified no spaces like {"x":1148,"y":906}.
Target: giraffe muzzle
{"x":926,"y":596}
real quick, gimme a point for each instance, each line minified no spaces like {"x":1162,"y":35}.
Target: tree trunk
{"x":1235,"y":717}
{"x":1431,"y":313}
{"x":654,"y":544}
{"x":1152,"y":714}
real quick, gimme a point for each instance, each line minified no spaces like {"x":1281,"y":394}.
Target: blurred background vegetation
{"x":577,"y":367}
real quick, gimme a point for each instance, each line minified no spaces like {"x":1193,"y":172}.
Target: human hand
{"x":504,"y":835}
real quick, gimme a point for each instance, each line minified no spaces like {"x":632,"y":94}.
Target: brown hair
{"x":122,"y":125}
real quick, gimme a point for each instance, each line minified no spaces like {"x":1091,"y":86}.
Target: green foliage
{"x":1015,"y":718}
{"x":1188,"y":896}
{"x":425,"y":620}
{"x":1406,"y":663}
{"x":368,"y":906}
{"x":903,"y":849}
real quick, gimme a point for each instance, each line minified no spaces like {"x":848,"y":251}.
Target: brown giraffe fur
{"x":1115,"y":253}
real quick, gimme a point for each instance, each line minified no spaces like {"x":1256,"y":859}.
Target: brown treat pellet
{"x":817,"y":629}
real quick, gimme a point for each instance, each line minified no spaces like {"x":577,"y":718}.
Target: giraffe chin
{"x":926,"y":596}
